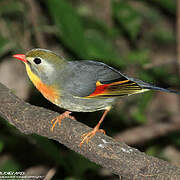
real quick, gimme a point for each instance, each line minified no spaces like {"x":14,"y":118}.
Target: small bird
{"x":80,"y":86}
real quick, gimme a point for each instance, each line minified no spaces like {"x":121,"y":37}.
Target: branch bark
{"x":137,"y":136}
{"x":127,"y":162}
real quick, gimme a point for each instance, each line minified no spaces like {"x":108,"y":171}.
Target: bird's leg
{"x":87,"y":136}
{"x":58,"y":119}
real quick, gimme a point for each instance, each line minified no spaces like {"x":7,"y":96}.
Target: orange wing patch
{"x":102,"y":89}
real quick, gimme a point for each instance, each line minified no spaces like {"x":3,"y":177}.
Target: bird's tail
{"x":147,"y":86}
{"x":151,"y":87}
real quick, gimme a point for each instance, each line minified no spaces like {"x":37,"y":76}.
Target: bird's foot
{"x":87,"y":136}
{"x":58,"y":119}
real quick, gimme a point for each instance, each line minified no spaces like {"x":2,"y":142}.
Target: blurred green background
{"x":136,"y":36}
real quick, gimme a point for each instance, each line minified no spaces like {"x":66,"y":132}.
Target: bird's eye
{"x":37,"y":60}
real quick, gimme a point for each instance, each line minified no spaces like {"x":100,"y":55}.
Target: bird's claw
{"x":87,"y":136}
{"x":58,"y":119}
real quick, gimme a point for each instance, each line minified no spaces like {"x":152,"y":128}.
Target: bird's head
{"x":41,"y":64}
{"x":42,"y":67}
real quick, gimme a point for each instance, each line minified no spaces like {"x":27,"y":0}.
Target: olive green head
{"x":44,"y":55}
{"x":43,"y":63}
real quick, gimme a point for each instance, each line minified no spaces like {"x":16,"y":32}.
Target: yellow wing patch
{"x":119,"y":88}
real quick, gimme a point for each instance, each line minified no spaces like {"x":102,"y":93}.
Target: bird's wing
{"x":91,"y":79}
{"x":116,"y":88}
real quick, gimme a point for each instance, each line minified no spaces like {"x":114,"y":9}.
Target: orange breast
{"x":50,"y":92}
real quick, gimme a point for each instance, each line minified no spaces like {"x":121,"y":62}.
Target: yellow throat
{"x":49,"y":92}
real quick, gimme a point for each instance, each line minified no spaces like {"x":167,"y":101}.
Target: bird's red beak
{"x":21,"y":57}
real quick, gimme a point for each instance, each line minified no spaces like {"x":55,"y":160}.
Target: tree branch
{"x":137,"y":136}
{"x":119,"y":158}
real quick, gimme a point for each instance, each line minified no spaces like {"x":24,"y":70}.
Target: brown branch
{"x":139,"y":135}
{"x":119,"y":158}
